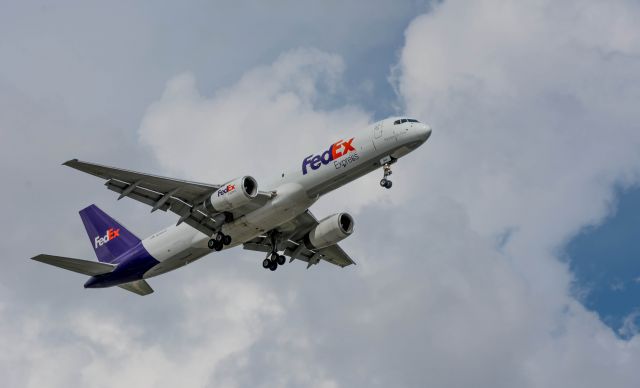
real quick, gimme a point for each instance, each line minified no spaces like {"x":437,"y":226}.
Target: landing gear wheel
{"x":384,"y":182}
{"x":226,"y":239}
{"x":219,"y":236}
{"x":273,"y":258}
{"x":218,"y":246}
{"x":211,"y":243}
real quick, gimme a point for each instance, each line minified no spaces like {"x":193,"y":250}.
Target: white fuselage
{"x":295,"y":191}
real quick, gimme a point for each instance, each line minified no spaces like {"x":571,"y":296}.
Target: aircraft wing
{"x":183,"y":198}
{"x":294,"y":247}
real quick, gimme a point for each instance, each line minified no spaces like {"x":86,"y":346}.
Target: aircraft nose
{"x":424,"y":132}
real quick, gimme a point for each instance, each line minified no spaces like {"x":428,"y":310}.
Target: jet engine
{"x":329,"y":231}
{"x":232,"y":195}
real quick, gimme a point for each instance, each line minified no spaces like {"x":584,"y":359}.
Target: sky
{"x":604,"y":261}
{"x":504,"y":255}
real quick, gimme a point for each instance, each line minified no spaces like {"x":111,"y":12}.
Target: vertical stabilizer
{"x":108,"y":238}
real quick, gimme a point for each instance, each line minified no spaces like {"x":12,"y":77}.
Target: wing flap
{"x":85,"y":267}
{"x":336,"y":255}
{"x":139,"y":193}
{"x":140,"y":287}
{"x":197,"y":218}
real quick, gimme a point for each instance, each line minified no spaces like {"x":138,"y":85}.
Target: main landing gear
{"x":276,"y":259}
{"x":219,"y":241}
{"x":384,"y":182}
{"x":273,"y":262}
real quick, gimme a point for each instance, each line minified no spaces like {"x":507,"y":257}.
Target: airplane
{"x":275,"y":221}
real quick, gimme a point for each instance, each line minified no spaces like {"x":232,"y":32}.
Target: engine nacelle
{"x":329,"y":231}
{"x":232,"y":195}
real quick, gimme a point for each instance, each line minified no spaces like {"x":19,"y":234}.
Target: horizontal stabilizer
{"x":85,"y":267}
{"x":140,"y":287}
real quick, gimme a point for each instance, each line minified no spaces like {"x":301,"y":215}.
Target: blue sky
{"x":534,"y":110}
{"x":605,"y":260}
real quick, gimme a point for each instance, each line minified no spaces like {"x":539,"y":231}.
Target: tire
{"x":383,"y":182}
{"x":389,"y":184}
{"x":274,"y":256}
{"x":281,"y":260}
{"x":211,"y":243}
{"x":226,"y":239}
{"x":218,"y":247}
{"x":266,"y":263}
{"x":219,"y":236}
{"x":273,"y":265}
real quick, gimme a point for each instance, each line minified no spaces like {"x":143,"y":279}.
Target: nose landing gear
{"x":219,"y":241}
{"x":384,"y":182}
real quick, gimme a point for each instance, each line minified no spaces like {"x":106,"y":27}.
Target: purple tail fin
{"x":108,"y":237}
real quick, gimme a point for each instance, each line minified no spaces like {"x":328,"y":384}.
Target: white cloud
{"x":533,"y":108}
{"x":90,"y":348}
{"x":526,"y":140}
{"x":260,"y":126}
{"x":257,"y":126}
{"x":534,"y":122}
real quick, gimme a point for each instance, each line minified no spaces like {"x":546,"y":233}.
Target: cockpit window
{"x":400,"y":121}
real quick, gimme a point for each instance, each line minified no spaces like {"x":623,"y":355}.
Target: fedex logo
{"x":335,"y":151}
{"x":110,"y":235}
{"x":225,"y":190}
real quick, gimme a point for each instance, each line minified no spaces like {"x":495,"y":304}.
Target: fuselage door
{"x":377,"y":130}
